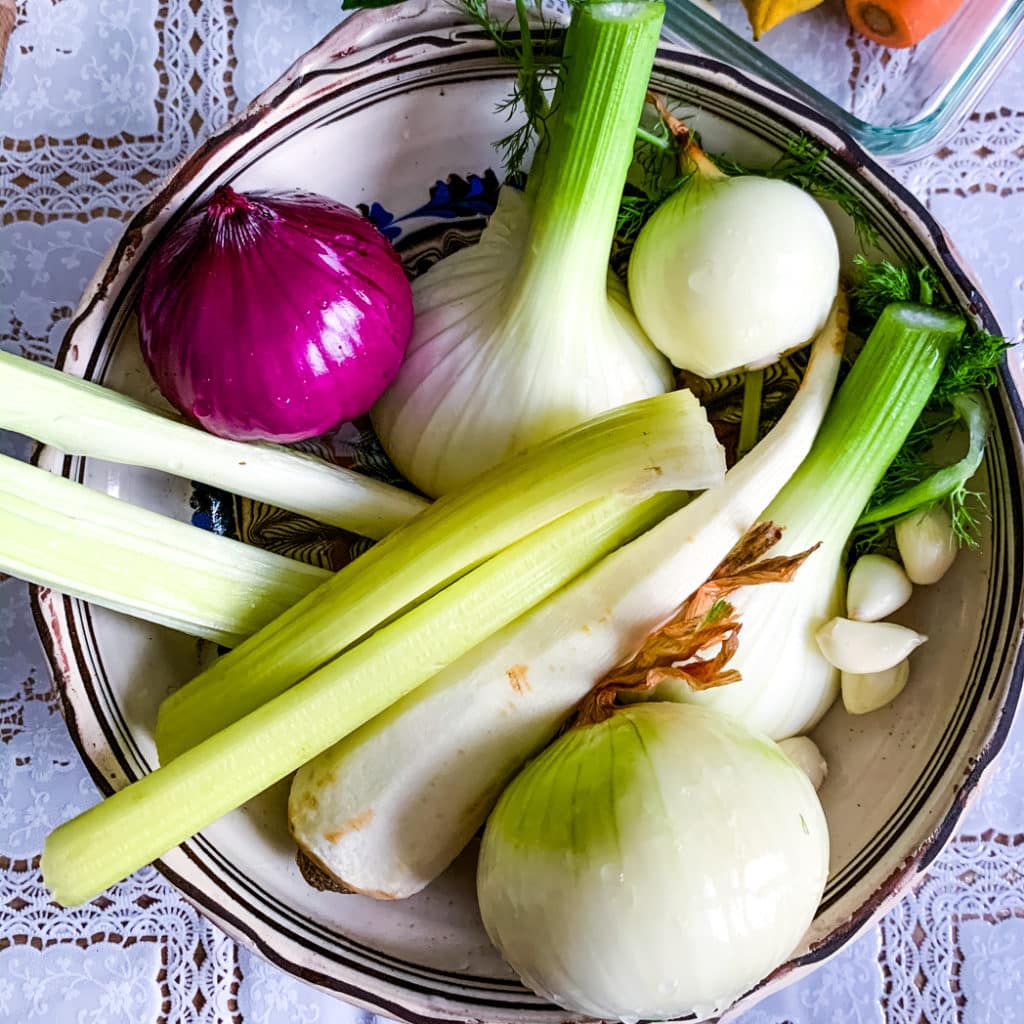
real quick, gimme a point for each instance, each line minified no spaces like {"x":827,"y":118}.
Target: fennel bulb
{"x":526,"y":333}
{"x":787,"y":685}
{"x":731,"y":273}
{"x":418,"y":802}
{"x":652,"y":865}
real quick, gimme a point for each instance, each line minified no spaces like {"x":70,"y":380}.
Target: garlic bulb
{"x":926,"y":544}
{"x":878,"y":586}
{"x":869,"y":691}
{"x":865,"y":647}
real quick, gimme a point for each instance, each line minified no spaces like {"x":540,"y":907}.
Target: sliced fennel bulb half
{"x":420,"y":803}
{"x":526,"y":333}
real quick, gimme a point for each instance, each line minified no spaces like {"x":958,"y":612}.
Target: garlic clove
{"x":877,"y":587}
{"x":870,"y":691}
{"x":926,"y":544}
{"x":864,"y":647}
{"x":804,"y":753}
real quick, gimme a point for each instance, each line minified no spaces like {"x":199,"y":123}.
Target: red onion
{"x":274,"y":316}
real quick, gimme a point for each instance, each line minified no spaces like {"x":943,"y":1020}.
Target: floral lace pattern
{"x":100,"y":99}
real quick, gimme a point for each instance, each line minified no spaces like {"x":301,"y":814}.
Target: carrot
{"x":899,"y":23}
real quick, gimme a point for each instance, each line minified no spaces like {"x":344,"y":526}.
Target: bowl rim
{"x":51,"y":610}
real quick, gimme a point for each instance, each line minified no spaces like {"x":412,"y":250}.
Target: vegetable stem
{"x":657,"y":444}
{"x":61,"y":534}
{"x":876,"y":407}
{"x":609,"y":51}
{"x":750,"y":418}
{"x":144,"y":820}
{"x":948,"y":479}
{"x":83,"y":418}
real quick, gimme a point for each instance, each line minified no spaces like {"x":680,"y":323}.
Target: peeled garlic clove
{"x":877,"y":587}
{"x":863,"y":647}
{"x":804,"y":753}
{"x":926,"y":544}
{"x":873,"y":690}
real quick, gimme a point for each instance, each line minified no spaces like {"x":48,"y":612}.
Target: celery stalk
{"x":657,"y":444}
{"x":82,"y":418}
{"x":144,"y":820}
{"x":59,"y":534}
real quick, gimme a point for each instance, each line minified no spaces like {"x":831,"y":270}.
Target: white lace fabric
{"x":100,"y":99}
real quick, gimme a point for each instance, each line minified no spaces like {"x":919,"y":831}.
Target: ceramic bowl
{"x":396,"y":111}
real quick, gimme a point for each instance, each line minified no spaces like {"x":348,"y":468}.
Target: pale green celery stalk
{"x":143,"y":821}
{"x":947,"y":480}
{"x":82,"y":418}
{"x":661,"y":443}
{"x":63,"y":535}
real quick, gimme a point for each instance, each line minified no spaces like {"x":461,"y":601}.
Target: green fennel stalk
{"x":912,"y":481}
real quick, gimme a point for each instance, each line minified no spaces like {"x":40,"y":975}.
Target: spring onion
{"x":655,"y":864}
{"x":59,"y":534}
{"x":526,"y":334}
{"x":82,"y":418}
{"x":420,"y":803}
{"x":144,"y":820}
{"x":662,"y":443}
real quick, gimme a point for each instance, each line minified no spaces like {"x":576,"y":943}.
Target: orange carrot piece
{"x":899,"y":23}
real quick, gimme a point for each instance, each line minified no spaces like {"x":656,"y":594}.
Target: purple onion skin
{"x":274,"y":316}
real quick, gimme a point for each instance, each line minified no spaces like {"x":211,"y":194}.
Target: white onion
{"x":656,"y":864}
{"x":733,"y":272}
{"x":878,"y":586}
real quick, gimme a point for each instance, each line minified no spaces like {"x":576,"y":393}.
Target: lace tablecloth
{"x":99,"y":100}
